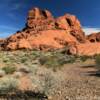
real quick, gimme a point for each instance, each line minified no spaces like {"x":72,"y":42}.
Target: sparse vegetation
{"x":43,"y":71}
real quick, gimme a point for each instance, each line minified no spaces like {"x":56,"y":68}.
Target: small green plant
{"x":9,"y":70}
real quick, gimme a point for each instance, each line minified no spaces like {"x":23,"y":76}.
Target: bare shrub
{"x":46,"y":81}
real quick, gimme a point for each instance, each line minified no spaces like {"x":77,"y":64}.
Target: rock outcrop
{"x":44,"y":32}
{"x":71,"y":23}
{"x":94,"y":37}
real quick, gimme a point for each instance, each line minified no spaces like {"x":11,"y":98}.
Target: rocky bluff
{"x":44,"y":32}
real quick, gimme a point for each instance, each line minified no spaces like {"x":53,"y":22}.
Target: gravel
{"x":79,"y":84}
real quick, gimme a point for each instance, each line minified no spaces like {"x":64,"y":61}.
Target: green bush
{"x":49,"y":61}
{"x":97,"y":60}
{"x":9,"y":70}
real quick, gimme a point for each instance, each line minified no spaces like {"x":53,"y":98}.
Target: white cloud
{"x":6,"y":31}
{"x":89,"y":30}
{"x":7,"y":27}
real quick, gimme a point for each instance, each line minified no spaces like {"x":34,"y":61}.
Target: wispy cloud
{"x":6,"y":31}
{"x":7,"y":27}
{"x":89,"y":30}
{"x":5,"y":34}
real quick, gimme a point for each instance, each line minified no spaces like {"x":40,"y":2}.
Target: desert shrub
{"x":35,"y":54}
{"x":50,"y":61}
{"x":71,"y":60}
{"x":23,"y":59}
{"x":56,"y":60}
{"x":84,"y":58}
{"x":9,"y":70}
{"x":46,"y":81}
{"x":97,"y":60}
{"x":8,"y":84}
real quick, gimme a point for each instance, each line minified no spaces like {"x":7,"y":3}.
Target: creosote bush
{"x":9,"y":70}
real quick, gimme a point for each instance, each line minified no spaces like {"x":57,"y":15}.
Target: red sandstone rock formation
{"x":44,"y":32}
{"x":71,"y":24}
{"x":94,"y":37}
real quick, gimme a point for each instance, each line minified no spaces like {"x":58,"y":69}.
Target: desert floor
{"x":72,"y":81}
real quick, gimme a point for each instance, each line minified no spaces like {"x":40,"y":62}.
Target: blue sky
{"x":13,"y":13}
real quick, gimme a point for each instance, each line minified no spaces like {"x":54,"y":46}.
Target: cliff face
{"x":44,"y":32}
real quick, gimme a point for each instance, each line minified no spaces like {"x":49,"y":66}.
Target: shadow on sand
{"x":23,"y":95}
{"x":87,"y":66}
{"x":94,"y":73}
